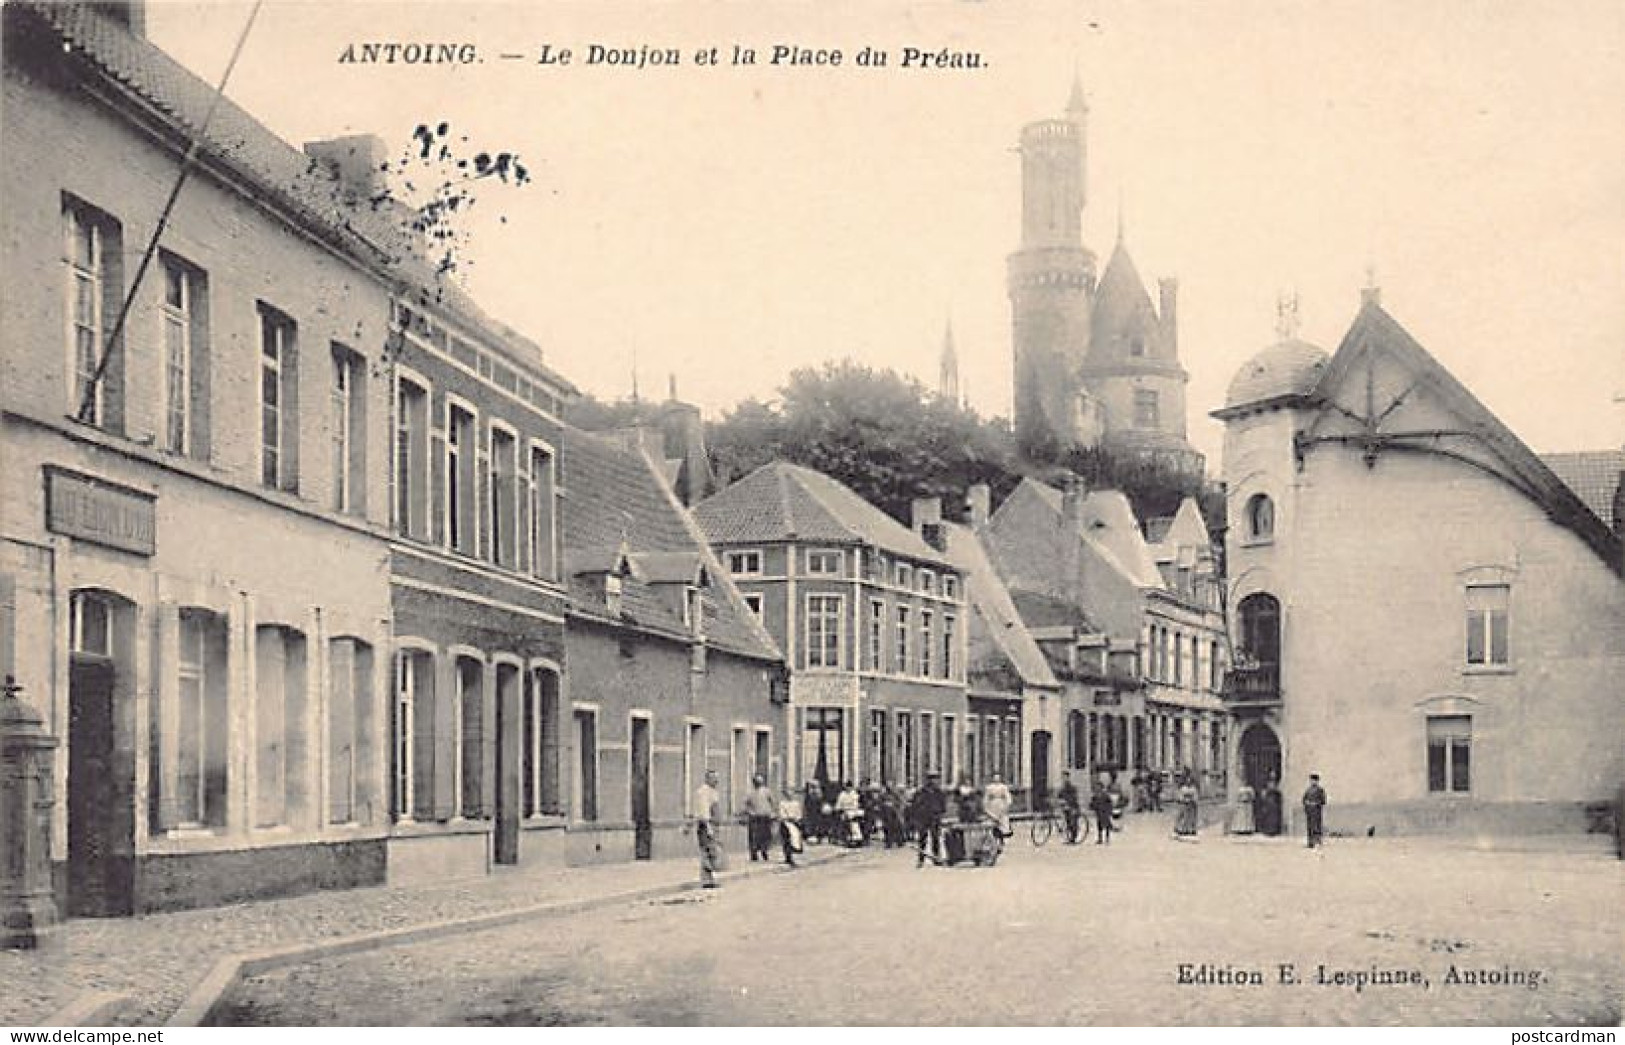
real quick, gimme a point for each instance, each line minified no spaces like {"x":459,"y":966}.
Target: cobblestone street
{"x":1085,"y":935}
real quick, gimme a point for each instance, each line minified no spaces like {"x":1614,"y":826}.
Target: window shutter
{"x":445,"y":739}
{"x":201,"y":362}
{"x":291,"y":428}
{"x":165,"y":781}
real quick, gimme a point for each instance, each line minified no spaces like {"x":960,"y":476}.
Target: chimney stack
{"x":926,"y":516}
{"x":1072,"y":494}
{"x":1370,"y":295}
{"x":357,"y":161}
{"x":979,"y":503}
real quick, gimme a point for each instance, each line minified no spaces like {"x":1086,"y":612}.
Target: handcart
{"x":975,"y":844}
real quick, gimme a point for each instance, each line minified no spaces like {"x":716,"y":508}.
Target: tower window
{"x":1145,"y":408}
{"x":1260,"y":517}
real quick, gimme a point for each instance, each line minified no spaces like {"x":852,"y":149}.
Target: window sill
{"x":431,"y":828}
{"x":1257,"y":542}
{"x":1489,"y":669}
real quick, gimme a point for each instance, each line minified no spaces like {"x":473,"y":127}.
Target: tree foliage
{"x":891,"y":440}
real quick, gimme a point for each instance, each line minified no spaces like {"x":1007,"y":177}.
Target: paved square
{"x":1061,"y":935}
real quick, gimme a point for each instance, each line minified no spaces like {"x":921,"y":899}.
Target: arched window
{"x":1260,"y":616}
{"x":1260,"y":517}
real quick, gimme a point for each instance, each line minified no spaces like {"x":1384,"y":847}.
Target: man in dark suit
{"x":1314,"y":806}
{"x":930,"y":805}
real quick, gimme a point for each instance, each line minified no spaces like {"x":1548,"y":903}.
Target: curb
{"x":90,"y":1009}
{"x":231,"y":969}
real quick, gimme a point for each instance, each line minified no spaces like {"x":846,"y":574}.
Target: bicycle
{"x":1053,"y":821}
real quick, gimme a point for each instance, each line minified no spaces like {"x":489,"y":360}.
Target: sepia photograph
{"x":918,"y":514}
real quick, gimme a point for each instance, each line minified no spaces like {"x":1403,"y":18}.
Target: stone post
{"x":27,"y":758}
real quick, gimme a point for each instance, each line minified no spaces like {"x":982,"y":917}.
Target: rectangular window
{"x":823,"y":746}
{"x":738,"y":771}
{"x":415,"y":748}
{"x":543,"y":509}
{"x":905,"y":748}
{"x":470,"y":681}
{"x":412,"y":460}
{"x":93,"y":286}
{"x":950,"y":749}
{"x":1145,"y":408}
{"x":279,"y":391}
{"x":745,"y":564}
{"x":201,"y":722}
{"x":928,"y":581}
{"x":504,"y":491}
{"x":349,"y":728}
{"x":950,"y":586}
{"x":950,"y":659}
{"x":280,"y":786}
{"x":900,"y":647}
{"x":1487,"y":624}
{"x":763,"y":764}
{"x":1450,"y":749}
{"x":694,"y":765}
{"x":928,"y":743}
{"x":90,"y":625}
{"x":347,"y":413}
{"x":461,"y":451}
{"x":904,"y":575}
{"x":184,"y":343}
{"x":877,"y":767}
{"x":824,"y":563}
{"x":875,"y":636}
{"x":925,"y":643}
{"x":824,"y":631}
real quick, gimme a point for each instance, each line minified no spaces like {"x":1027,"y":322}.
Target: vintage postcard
{"x":925,"y":514}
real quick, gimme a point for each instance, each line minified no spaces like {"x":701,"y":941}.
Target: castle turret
{"x":1050,"y":279}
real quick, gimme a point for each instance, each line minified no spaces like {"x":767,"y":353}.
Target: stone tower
{"x":1051,"y":279}
{"x":1096,"y":364}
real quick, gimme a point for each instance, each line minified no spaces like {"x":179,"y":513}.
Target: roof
{"x":1283,"y":371}
{"x":1107,"y":524}
{"x":997,"y":627}
{"x":613,"y":496}
{"x":1484,"y":441}
{"x":1156,"y":529}
{"x":373,"y":234}
{"x":1595,"y":476}
{"x":781,"y":501}
{"x":1121,"y":306}
{"x":1039,"y":610}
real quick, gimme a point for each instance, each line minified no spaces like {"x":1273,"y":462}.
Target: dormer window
{"x":928,"y":581}
{"x":905,"y":575}
{"x":612,"y":593}
{"x":950,"y":586}
{"x":694,"y":610}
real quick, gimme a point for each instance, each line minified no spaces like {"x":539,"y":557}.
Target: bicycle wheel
{"x":1042,"y":827}
{"x":1084,"y":827}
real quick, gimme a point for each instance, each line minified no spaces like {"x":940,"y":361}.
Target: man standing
{"x":707,"y":815}
{"x":1067,"y":796}
{"x":759,"y":817}
{"x":1314,"y":806}
{"x":930,"y":805}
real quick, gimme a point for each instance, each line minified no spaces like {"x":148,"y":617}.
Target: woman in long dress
{"x":1244,"y":823}
{"x":1185,"y":825}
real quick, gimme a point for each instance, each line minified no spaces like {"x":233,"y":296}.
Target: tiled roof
{"x":1107,"y":525}
{"x":997,"y":627}
{"x":1047,"y":611}
{"x":252,"y":152}
{"x":613,"y":495}
{"x":1594,"y":475}
{"x":1285,"y":370}
{"x":786,"y":502}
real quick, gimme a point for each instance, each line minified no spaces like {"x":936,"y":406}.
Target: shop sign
{"x":95,"y":510}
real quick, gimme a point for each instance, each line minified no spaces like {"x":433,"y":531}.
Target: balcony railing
{"x":1253,"y":684}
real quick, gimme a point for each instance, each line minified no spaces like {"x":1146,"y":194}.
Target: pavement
{"x":140,"y":971}
{"x":1146,"y":931}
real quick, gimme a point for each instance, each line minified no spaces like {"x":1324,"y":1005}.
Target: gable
{"x":1384,"y":394}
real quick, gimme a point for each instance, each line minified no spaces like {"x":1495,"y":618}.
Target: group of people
{"x":1261,"y":811}
{"x":854,"y":816}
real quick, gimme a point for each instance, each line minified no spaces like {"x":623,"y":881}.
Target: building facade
{"x":1096,"y":363}
{"x":1424,"y":613}
{"x":872,"y":619}
{"x":671,"y":673}
{"x":194,"y":504}
{"x":1132,"y":629}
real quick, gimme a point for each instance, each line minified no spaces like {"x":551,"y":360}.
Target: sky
{"x":728,"y":224}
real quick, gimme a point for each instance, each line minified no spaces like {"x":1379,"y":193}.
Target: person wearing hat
{"x":930,"y":805}
{"x":1314,"y":805}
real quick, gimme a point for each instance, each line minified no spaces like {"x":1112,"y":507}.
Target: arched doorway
{"x":1260,"y":757}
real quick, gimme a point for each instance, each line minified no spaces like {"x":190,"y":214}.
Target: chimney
{"x":1072,"y":494}
{"x":1370,"y":295}
{"x":979,"y":503}
{"x":357,"y":161}
{"x":682,"y":433}
{"x":131,"y":14}
{"x":926,"y":516}
{"x":1168,"y":290}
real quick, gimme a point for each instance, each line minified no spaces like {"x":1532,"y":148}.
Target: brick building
{"x":670,"y":672}
{"x":871,"y":616}
{"x":1424,"y":612}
